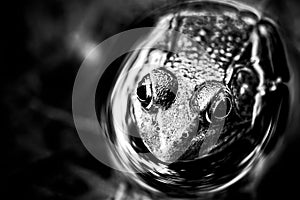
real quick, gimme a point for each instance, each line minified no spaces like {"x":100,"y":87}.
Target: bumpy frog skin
{"x":175,"y":104}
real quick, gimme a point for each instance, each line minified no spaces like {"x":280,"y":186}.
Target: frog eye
{"x":221,"y":108}
{"x":220,"y":104}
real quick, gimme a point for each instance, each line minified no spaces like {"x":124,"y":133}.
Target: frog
{"x":207,"y":83}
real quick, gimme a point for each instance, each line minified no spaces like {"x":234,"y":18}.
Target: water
{"x":200,"y":110}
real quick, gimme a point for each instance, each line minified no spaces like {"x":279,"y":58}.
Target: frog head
{"x":169,"y":111}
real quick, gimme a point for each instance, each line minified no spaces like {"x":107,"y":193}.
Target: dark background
{"x":43,"y":45}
